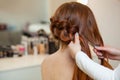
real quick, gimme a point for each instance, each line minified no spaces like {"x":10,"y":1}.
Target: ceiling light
{"x":85,"y":2}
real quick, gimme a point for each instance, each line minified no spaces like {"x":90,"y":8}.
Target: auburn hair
{"x":72,"y":17}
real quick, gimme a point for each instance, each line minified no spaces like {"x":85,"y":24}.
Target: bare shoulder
{"x":48,"y":60}
{"x":46,"y":66}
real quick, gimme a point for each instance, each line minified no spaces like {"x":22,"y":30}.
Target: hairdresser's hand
{"x":75,"y":46}
{"x":112,"y":53}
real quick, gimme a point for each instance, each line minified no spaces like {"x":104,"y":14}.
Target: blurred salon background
{"x":25,"y":37}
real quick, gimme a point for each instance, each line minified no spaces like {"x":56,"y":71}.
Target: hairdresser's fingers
{"x":71,"y":44}
{"x":95,"y":50}
{"x":100,"y":57}
{"x":99,"y":54}
{"x":77,"y":38}
{"x":74,"y":48}
{"x":102,"y":48}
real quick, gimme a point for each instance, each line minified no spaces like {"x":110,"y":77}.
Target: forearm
{"x":93,"y":69}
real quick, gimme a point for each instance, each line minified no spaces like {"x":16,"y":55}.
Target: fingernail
{"x":76,"y":34}
{"x":101,"y":57}
{"x":96,"y":46}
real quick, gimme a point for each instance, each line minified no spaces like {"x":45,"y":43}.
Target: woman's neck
{"x":64,"y":51}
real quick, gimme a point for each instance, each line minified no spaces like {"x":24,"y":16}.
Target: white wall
{"x":54,"y":4}
{"x":107,"y":13}
{"x":18,"y":12}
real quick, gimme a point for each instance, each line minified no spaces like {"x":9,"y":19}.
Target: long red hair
{"x":74,"y":17}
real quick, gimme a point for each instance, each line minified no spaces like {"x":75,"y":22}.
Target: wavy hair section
{"x":74,"y":17}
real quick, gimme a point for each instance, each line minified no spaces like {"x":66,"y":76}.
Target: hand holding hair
{"x":75,"y":45}
{"x":112,"y":53}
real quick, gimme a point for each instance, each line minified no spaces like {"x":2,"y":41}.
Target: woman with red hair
{"x":69,"y":18}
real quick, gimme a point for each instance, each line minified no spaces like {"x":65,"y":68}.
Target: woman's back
{"x":58,"y":66}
